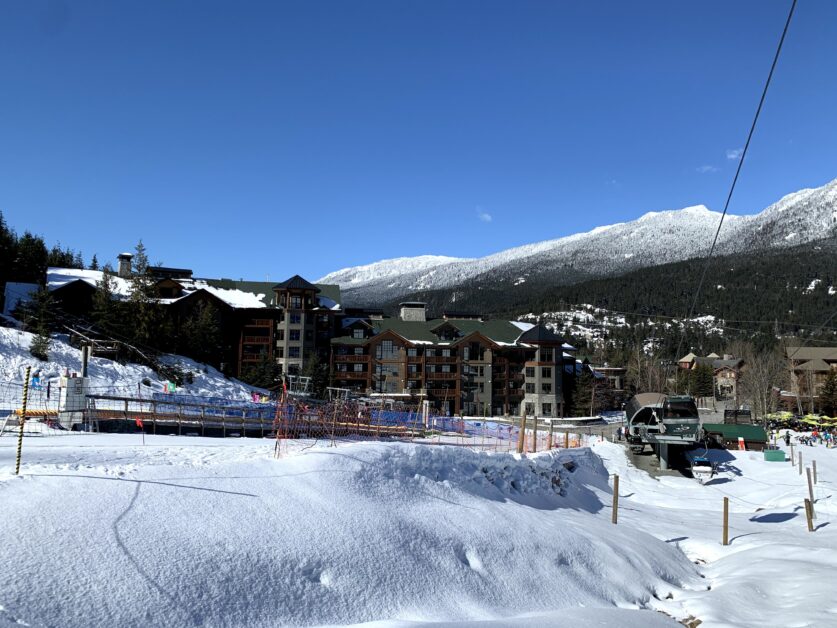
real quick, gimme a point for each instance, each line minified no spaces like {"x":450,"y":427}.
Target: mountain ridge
{"x":655,"y":238}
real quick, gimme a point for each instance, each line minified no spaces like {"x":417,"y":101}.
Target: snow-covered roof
{"x":522,"y":325}
{"x":60,"y":277}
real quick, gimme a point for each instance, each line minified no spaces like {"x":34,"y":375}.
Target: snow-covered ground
{"x":106,"y":376}
{"x":101,"y":530}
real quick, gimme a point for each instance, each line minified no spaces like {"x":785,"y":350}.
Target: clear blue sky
{"x":246,"y":139}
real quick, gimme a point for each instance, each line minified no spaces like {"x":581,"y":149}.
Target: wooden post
{"x":534,"y":434}
{"x":22,"y":420}
{"x":800,"y":463}
{"x":814,"y":465}
{"x":811,"y":493}
{"x":809,"y":514}
{"x":791,"y":456}
{"x":549,"y":437}
{"x":726,"y":521}
{"x":615,"y":499}
{"x":566,"y":440}
{"x":522,"y":436}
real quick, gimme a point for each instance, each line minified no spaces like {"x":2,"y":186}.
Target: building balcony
{"x":442,"y":392}
{"x":441,"y":359}
{"x":351,"y":358}
{"x":442,"y":376}
{"x":414,"y":359}
{"x":253,"y":357}
{"x":350,"y":375}
{"x":260,"y":322}
{"x":257,"y":340}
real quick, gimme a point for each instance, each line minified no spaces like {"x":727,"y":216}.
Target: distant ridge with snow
{"x":653,"y":239}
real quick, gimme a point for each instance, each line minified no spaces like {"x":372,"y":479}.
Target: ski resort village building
{"x":459,"y":363}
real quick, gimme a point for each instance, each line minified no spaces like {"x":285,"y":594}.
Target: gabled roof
{"x":296,"y":283}
{"x":811,"y":353}
{"x":689,"y":357}
{"x":540,"y":333}
{"x":815,"y":366}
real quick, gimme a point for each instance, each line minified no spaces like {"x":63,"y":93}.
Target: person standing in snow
{"x":787,"y":438}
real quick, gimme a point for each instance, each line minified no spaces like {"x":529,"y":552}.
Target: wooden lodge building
{"x":461,"y":363}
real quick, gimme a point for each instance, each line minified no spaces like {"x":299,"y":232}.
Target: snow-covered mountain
{"x":654,"y":238}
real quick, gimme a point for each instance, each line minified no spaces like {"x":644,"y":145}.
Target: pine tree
{"x":582,"y":395}
{"x":144,"y":313}
{"x":319,"y":373}
{"x":94,"y":263}
{"x":40,"y":322}
{"x":828,"y":394}
{"x":105,"y":309}
{"x":201,"y":334}
{"x":31,"y":259}
{"x":703,"y":381}
{"x":263,"y":374}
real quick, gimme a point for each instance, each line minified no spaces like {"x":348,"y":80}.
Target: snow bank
{"x":106,"y":376}
{"x":217,"y":532}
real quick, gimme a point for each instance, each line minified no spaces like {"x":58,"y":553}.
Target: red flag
{"x":139,"y":423}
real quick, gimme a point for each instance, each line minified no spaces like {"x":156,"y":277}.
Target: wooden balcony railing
{"x":350,"y":375}
{"x":257,"y":340}
{"x":442,"y":376}
{"x":441,"y":359}
{"x":442,"y":392}
{"x":351,"y":358}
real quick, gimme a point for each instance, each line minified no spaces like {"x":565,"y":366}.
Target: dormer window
{"x":357,"y":333}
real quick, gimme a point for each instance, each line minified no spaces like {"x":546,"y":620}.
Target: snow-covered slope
{"x":106,"y":376}
{"x":654,"y":238}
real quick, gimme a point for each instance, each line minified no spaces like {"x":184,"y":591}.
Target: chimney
{"x":124,"y":265}
{"x":413,"y":311}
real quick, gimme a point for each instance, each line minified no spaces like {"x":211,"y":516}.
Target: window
{"x":293,"y":352}
{"x":412,"y":352}
{"x":530,"y":371}
{"x":481,"y":387}
{"x":466,"y":353}
{"x":530,"y":408}
{"x":293,"y":335}
{"x":358,"y":350}
{"x":446,"y":368}
{"x":280,"y":352}
{"x":546,"y":409}
{"x":342,"y":367}
{"x":280,"y":335}
{"x":546,"y":372}
{"x":546,"y":354}
{"x":530,"y":388}
{"x":296,"y":303}
{"x":481,"y":371}
{"x":412,"y":368}
{"x":546,"y":388}
{"x":358,"y":368}
{"x":357,"y":333}
{"x":446,"y":353}
{"x":296,"y":319}
{"x":387,"y":350}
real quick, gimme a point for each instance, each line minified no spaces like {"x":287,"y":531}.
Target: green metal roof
{"x":348,"y":340}
{"x":732,"y":431}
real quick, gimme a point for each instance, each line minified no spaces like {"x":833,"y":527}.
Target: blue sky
{"x":255,"y":139}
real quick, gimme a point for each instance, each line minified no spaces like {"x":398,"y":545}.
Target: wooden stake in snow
{"x":534,"y":434}
{"x":566,"y":440}
{"x":522,"y":436}
{"x":809,"y":514}
{"x":726,"y":521}
{"x":549,"y":437}
{"x":791,"y":456}
{"x":811,"y":493}
{"x":800,"y":463}
{"x":22,"y":420}
{"x":814,"y":465}
{"x":615,"y":499}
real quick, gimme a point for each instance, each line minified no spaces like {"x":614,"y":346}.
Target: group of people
{"x":826,"y":437}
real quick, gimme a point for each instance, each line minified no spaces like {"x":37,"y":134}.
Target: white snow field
{"x":106,"y":376}
{"x":100,"y":530}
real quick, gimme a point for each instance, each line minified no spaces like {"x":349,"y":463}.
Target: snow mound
{"x":217,"y":532}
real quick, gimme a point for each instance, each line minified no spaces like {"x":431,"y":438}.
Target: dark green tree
{"x":318,"y":371}
{"x":38,"y":320}
{"x":263,"y":374}
{"x":144,"y":314}
{"x":201,"y":334}
{"x":106,"y":310}
{"x":94,"y":263}
{"x":828,"y":394}
{"x":583,"y":395}
{"x":31,"y":259}
{"x":703,"y":381}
